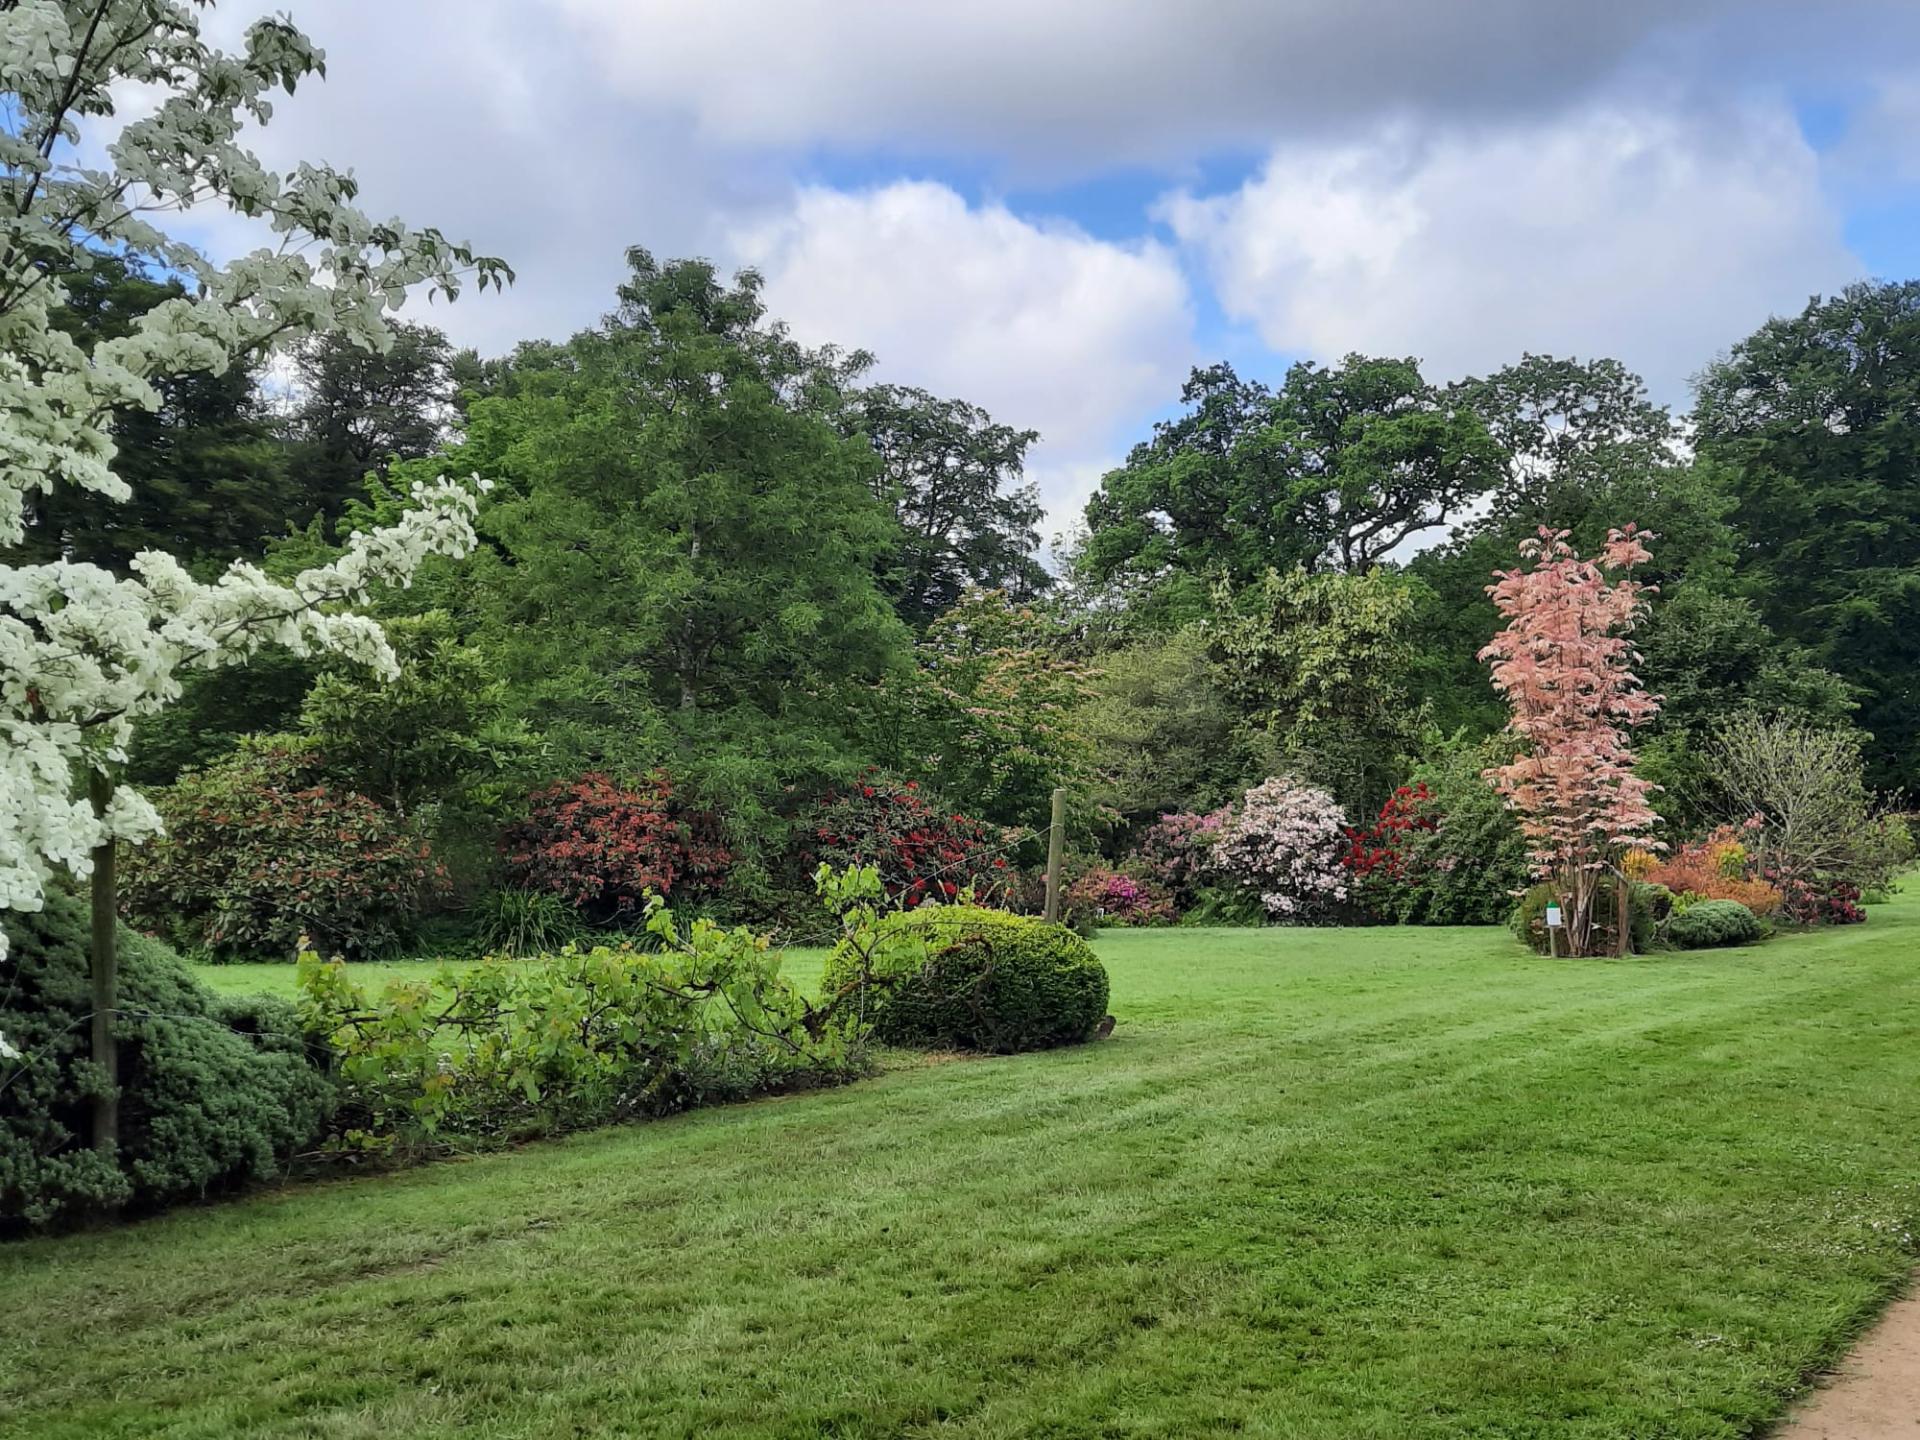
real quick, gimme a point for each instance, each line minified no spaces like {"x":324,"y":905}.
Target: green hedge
{"x":992,"y":981}
{"x":213,"y":1092}
{"x":1707,"y":923}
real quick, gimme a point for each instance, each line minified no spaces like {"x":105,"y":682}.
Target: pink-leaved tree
{"x":1565,"y":664}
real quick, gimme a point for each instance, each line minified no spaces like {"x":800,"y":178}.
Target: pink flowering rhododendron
{"x":1284,"y":841}
{"x":1177,"y":850}
{"x":1565,"y":663}
{"x":1113,"y":897}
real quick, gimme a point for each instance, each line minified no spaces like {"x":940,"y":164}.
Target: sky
{"x":1056,"y":209}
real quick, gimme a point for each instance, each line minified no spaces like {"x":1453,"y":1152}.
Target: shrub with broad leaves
{"x":1467,"y":869}
{"x":1101,"y":895}
{"x":260,"y":850}
{"x":921,"y":851}
{"x":1176,"y":851}
{"x":603,"y":846}
{"x":1816,"y":900}
{"x":497,"y":1053}
{"x":1283,"y":842}
{"x":1380,"y":858}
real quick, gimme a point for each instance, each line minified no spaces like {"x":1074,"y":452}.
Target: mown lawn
{"x":1345,"y":1184}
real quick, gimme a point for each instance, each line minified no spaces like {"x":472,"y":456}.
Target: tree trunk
{"x":104,"y":967}
{"x":1623,"y":910}
{"x":688,"y":698}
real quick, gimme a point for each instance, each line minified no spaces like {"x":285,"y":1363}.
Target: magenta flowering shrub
{"x":1105,"y":896}
{"x":1284,"y":842}
{"x":1176,"y":851}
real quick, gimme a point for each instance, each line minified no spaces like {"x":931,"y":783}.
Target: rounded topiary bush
{"x":1707,"y":923}
{"x":992,"y":981}
{"x":213,"y":1092}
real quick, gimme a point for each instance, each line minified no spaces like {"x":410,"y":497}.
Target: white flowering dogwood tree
{"x":115,"y":115}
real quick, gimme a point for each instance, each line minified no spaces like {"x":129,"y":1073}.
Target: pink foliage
{"x":1565,"y":663}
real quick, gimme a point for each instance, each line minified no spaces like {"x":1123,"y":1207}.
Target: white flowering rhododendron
{"x":1283,"y":840}
{"x":85,"y":652}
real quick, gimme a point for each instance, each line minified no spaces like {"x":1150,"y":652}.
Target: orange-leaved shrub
{"x":1715,"y":868}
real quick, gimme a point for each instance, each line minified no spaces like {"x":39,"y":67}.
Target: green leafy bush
{"x":1466,"y":869}
{"x":213,"y":1092}
{"x":989,"y":981}
{"x":494,"y":1053}
{"x":1647,"y":907}
{"x":260,"y":850}
{"x":1708,"y":923}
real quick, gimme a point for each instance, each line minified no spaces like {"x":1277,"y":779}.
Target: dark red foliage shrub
{"x":1816,"y":901}
{"x":602,"y":846}
{"x":922,"y":853}
{"x":1379,"y":858}
{"x":259,"y":851}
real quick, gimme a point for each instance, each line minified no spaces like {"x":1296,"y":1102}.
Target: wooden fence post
{"x":1056,"y":837}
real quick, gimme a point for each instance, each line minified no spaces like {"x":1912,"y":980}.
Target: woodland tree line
{"x":738,"y":608}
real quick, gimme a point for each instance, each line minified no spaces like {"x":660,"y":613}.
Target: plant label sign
{"x":1553,"y":917}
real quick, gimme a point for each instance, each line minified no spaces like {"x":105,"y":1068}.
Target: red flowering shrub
{"x":260,"y":851}
{"x":602,"y":846}
{"x":1105,"y":896}
{"x":1382,"y":850}
{"x":1379,"y":857}
{"x":921,"y":853}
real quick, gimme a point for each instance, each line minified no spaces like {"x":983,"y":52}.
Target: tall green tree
{"x":1325,"y":659}
{"x":1373,"y":456}
{"x":1187,"y":507}
{"x":1815,"y":421}
{"x":679,"y":567}
{"x":989,"y":716}
{"x":208,"y":476}
{"x":356,"y":410}
{"x":1163,"y":732}
{"x":1336,"y":470}
{"x":1584,"y":450}
{"x":952,"y":476}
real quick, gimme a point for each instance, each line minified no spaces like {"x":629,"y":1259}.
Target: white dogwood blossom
{"x":85,"y":652}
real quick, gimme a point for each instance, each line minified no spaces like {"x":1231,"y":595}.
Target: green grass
{"x":1347,"y":1184}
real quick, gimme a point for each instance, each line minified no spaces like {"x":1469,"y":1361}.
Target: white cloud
{"x":1045,"y":326}
{"x":1056,"y":86}
{"x":482,"y":117}
{"x":1657,"y":236}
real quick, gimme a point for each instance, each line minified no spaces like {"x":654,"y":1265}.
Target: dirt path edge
{"x":1874,"y":1393}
